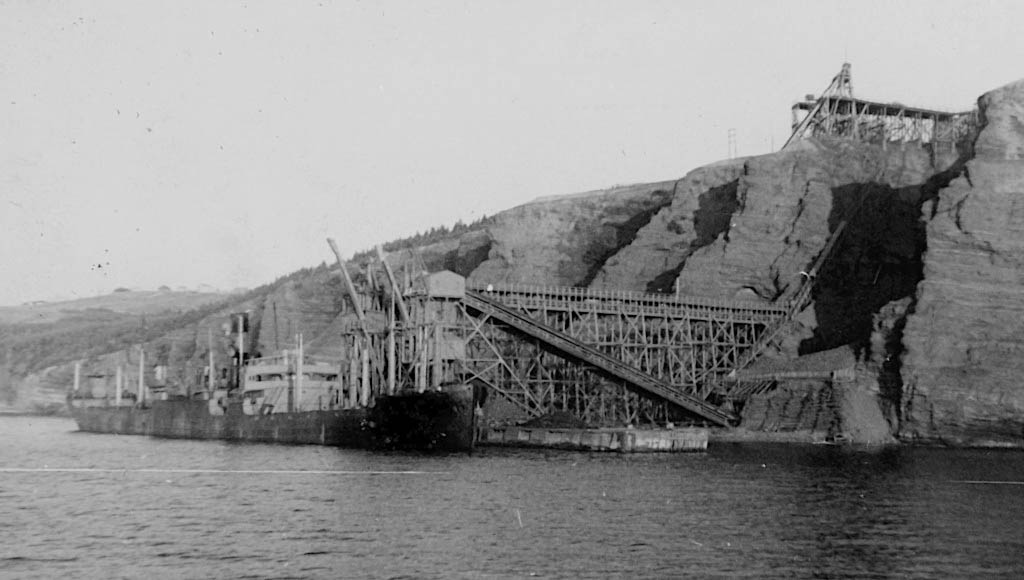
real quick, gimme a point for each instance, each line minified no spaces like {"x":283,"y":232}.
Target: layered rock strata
{"x":660,"y":248}
{"x":788,"y":205}
{"x":964,"y":362}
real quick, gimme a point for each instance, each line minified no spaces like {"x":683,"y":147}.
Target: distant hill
{"x":134,"y":302}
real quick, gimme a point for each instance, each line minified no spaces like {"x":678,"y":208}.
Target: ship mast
{"x":241,"y":351}
{"x":298,"y":373}
{"x":209,"y":371}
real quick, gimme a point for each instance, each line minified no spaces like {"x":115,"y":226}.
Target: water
{"x":79,"y":505}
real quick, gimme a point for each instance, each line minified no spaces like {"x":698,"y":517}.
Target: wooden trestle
{"x":607,"y":358}
{"x":573,"y":347}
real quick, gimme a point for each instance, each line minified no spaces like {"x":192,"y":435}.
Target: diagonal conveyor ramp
{"x":591,"y":355}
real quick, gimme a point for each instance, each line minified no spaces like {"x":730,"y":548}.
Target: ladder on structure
{"x":588,"y":354}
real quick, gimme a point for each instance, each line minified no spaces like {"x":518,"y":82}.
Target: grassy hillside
{"x":135,"y":302}
{"x":39,"y":342}
{"x":37,"y":337}
{"x":29,"y":347}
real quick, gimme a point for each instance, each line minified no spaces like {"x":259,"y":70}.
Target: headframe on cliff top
{"x":838,"y":113}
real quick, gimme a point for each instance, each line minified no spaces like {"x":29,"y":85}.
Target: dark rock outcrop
{"x":965,"y":338}
{"x":789,"y":204}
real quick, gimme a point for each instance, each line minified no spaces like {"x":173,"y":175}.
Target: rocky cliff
{"x":964,"y":339}
{"x":748,"y":228}
{"x":697,"y":213}
{"x":565,"y":240}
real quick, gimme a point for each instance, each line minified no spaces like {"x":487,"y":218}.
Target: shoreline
{"x":738,"y":435}
{"x":18,"y":413}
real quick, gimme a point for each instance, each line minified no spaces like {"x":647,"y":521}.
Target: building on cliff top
{"x":839,"y":114}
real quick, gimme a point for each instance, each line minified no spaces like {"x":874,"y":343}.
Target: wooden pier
{"x":619,"y":440}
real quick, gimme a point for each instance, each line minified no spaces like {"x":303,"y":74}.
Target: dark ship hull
{"x":431,"y":421}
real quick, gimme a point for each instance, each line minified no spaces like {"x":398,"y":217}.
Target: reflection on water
{"x":133,"y":506}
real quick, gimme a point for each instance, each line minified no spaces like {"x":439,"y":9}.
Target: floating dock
{"x":620,"y":440}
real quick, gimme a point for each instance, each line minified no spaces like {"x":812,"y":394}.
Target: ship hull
{"x":392,"y":426}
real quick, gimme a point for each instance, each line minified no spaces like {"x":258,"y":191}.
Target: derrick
{"x":837,"y":113}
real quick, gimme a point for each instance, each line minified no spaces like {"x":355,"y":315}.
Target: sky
{"x":149,"y":143}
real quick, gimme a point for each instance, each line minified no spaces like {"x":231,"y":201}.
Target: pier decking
{"x":620,"y":440}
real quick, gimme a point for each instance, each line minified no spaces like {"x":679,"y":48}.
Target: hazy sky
{"x":183,"y":143}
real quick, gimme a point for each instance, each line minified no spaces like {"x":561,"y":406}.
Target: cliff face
{"x":652,"y":260}
{"x":965,"y":337}
{"x":788,"y":204}
{"x":747,"y":227}
{"x":565,"y":240}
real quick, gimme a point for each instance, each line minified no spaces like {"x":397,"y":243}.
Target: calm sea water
{"x":77,"y":505}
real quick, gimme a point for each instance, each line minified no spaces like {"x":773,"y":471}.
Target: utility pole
{"x":209,"y":371}
{"x":241,"y":349}
{"x":277,"y":346}
{"x":299,"y":362}
{"x":142,"y":373}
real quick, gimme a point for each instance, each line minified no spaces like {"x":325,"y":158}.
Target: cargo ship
{"x":359,"y":400}
{"x":394,"y":385}
{"x":283,"y":399}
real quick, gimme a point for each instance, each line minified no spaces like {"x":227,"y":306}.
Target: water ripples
{"x":100,"y":506}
